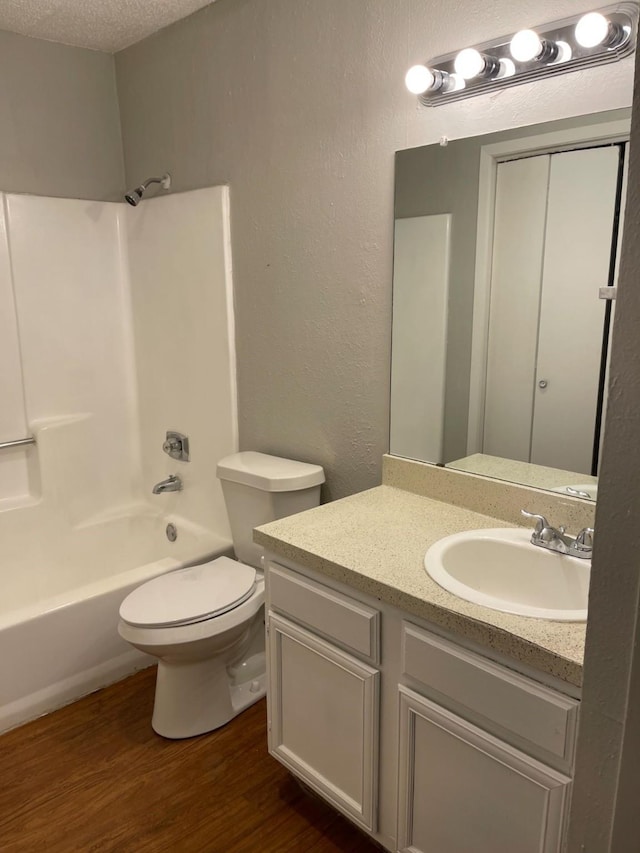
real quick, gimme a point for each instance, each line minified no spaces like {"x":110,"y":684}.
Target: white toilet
{"x":205,"y":624}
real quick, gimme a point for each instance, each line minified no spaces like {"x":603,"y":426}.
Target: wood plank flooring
{"x":93,"y":777}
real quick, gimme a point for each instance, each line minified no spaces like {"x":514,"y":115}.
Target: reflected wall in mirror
{"x":505,"y":265}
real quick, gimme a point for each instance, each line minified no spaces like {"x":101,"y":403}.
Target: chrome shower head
{"x":134,"y":197}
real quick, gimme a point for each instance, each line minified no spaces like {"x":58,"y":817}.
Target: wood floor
{"x":93,"y":777}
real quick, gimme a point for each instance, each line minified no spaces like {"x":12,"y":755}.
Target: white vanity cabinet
{"x":323,"y":700}
{"x":463,"y":753}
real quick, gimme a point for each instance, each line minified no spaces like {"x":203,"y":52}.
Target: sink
{"x":501,"y":569}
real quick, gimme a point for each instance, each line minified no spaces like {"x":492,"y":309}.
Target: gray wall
{"x":59,"y":121}
{"x":300,"y":106}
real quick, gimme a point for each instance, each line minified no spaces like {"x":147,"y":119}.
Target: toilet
{"x":205,"y":624}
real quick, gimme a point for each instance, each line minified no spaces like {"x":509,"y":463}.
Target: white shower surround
{"x":123,"y":328}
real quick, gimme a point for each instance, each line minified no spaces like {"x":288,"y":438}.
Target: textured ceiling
{"x":107,"y":25}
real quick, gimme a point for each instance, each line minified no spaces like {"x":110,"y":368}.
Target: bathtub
{"x":58,"y":625}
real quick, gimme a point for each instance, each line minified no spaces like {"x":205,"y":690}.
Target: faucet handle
{"x":584,"y":539}
{"x":543,"y":532}
{"x":541,"y":521}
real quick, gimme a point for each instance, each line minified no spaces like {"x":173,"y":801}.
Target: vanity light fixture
{"x":567,"y":45}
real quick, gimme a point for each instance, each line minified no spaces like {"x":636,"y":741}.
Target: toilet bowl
{"x":205,"y":624}
{"x":211,"y":660}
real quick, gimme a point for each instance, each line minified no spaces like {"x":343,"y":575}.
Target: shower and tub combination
{"x":99,"y":361}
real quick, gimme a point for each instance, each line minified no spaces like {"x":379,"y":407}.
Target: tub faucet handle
{"x":171,"y":445}
{"x":176,"y":445}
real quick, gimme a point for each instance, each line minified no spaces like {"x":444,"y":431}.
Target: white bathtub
{"x":58,"y":625}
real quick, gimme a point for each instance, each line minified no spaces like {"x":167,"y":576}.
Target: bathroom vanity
{"x":432,"y":723}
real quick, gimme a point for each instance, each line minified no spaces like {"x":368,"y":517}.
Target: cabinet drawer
{"x":352,"y":625}
{"x":536,"y":717}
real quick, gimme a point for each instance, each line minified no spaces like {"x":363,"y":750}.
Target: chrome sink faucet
{"x":555,"y":538}
{"x":173,"y":483}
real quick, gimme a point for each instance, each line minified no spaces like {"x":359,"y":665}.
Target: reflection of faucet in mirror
{"x":580,"y":493}
{"x":499,"y":239}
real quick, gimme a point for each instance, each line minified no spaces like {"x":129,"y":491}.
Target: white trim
{"x":490,"y":156}
{"x":231,"y":325}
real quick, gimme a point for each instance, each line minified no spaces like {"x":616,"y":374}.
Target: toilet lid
{"x":189,"y":595}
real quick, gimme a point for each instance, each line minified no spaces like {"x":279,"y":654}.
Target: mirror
{"x":505,"y":268}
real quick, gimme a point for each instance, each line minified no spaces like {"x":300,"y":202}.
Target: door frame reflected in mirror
{"x":491,"y":156}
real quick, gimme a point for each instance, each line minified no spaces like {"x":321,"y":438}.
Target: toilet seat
{"x":196,"y":632}
{"x":189,"y":596}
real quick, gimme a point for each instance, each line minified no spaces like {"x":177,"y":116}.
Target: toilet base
{"x":247,"y":694}
{"x":196,"y":697}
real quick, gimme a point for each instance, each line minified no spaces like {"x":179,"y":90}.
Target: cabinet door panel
{"x":323,"y":718}
{"x":461,"y":789}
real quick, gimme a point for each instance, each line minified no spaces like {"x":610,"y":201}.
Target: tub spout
{"x":173,"y":483}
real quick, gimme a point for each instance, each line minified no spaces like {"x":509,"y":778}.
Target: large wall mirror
{"x":505,"y":271}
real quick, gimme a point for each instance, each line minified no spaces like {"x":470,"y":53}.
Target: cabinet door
{"x":323,"y":718}
{"x":461,"y":789}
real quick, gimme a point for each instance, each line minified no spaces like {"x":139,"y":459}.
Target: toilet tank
{"x":259,"y":488}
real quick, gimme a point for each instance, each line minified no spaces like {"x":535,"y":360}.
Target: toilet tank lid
{"x":269,"y":473}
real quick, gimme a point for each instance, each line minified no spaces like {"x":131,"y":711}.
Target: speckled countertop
{"x":375,"y":542}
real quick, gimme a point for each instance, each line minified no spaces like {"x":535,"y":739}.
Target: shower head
{"x":134,"y":197}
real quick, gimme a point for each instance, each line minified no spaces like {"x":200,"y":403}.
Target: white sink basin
{"x":501,"y":569}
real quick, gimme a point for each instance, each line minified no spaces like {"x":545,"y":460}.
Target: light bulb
{"x":564,"y":51}
{"x":592,"y":30}
{"x":455,"y":83}
{"x":419,"y":79}
{"x":469,"y":63}
{"x":526,"y":46}
{"x":507,"y":69}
